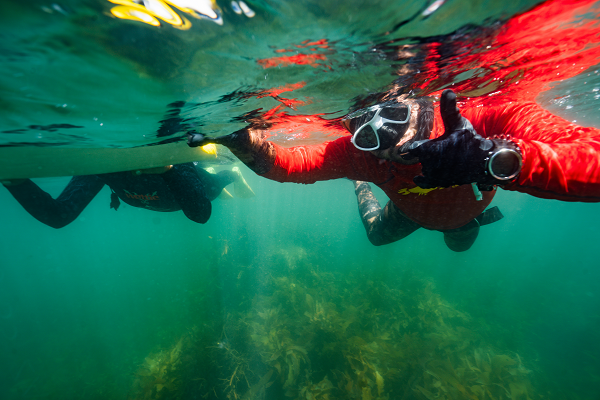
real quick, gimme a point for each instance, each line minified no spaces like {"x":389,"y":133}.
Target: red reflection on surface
{"x":314,"y":60}
{"x":275,"y":92}
{"x":298,"y":59}
{"x":550,"y":43}
{"x":323,"y":43}
{"x":281,"y":124}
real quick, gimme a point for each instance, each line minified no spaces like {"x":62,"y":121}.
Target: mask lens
{"x":399,"y":114}
{"x":366,"y":138}
{"x":359,"y":113}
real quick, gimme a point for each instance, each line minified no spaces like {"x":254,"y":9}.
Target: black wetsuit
{"x":184,"y":187}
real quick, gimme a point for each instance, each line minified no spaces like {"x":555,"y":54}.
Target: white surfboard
{"x":38,"y":162}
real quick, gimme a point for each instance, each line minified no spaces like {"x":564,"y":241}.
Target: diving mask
{"x":376,"y":127}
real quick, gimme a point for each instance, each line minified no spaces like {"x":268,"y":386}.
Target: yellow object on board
{"x":210,"y":149}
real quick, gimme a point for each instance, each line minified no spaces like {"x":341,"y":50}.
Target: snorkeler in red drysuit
{"x":560,"y":160}
{"x":430,"y":164}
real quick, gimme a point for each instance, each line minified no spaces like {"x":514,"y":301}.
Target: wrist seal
{"x":504,"y":161}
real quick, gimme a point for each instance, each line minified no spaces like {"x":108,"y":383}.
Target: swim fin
{"x":489,"y":216}
{"x":225,"y":195}
{"x":241,"y":187}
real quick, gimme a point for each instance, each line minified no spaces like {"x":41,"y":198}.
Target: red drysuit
{"x":560,"y":161}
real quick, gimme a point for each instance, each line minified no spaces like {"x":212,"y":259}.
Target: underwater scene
{"x":278,"y":292}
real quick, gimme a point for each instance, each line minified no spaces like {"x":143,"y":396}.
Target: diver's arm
{"x":63,"y":210}
{"x":330,"y":160}
{"x":188,"y":191}
{"x":300,"y":164}
{"x":561,"y":160}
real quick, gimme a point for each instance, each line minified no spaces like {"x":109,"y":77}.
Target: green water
{"x":85,"y":310}
{"x":83,"y":306}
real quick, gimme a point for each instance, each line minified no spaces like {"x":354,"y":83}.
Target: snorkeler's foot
{"x":241,"y":187}
{"x":225,"y":195}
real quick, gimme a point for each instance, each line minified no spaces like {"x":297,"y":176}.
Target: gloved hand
{"x":458,"y":156}
{"x":199,"y":139}
{"x":239,"y":140}
{"x":251,"y":149}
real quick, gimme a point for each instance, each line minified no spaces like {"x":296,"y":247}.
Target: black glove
{"x":198,"y":139}
{"x":461,"y":156}
{"x":257,"y":153}
{"x":238,"y":140}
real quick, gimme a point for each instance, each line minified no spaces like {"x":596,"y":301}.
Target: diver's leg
{"x":189,"y":192}
{"x":215,"y":183}
{"x":462,"y":239}
{"x":383,"y":226}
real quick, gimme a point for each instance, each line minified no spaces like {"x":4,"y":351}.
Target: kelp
{"x":314,"y":335}
{"x":158,"y":374}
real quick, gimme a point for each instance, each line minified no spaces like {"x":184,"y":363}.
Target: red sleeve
{"x":330,"y":160}
{"x":561,"y":160}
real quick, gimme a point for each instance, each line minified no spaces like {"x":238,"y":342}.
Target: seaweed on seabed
{"x":312,"y":335}
{"x":186,"y":367}
{"x":331,"y":337}
{"x":158,"y":374}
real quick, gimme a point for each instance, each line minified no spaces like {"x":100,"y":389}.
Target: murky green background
{"x":82,"y":307}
